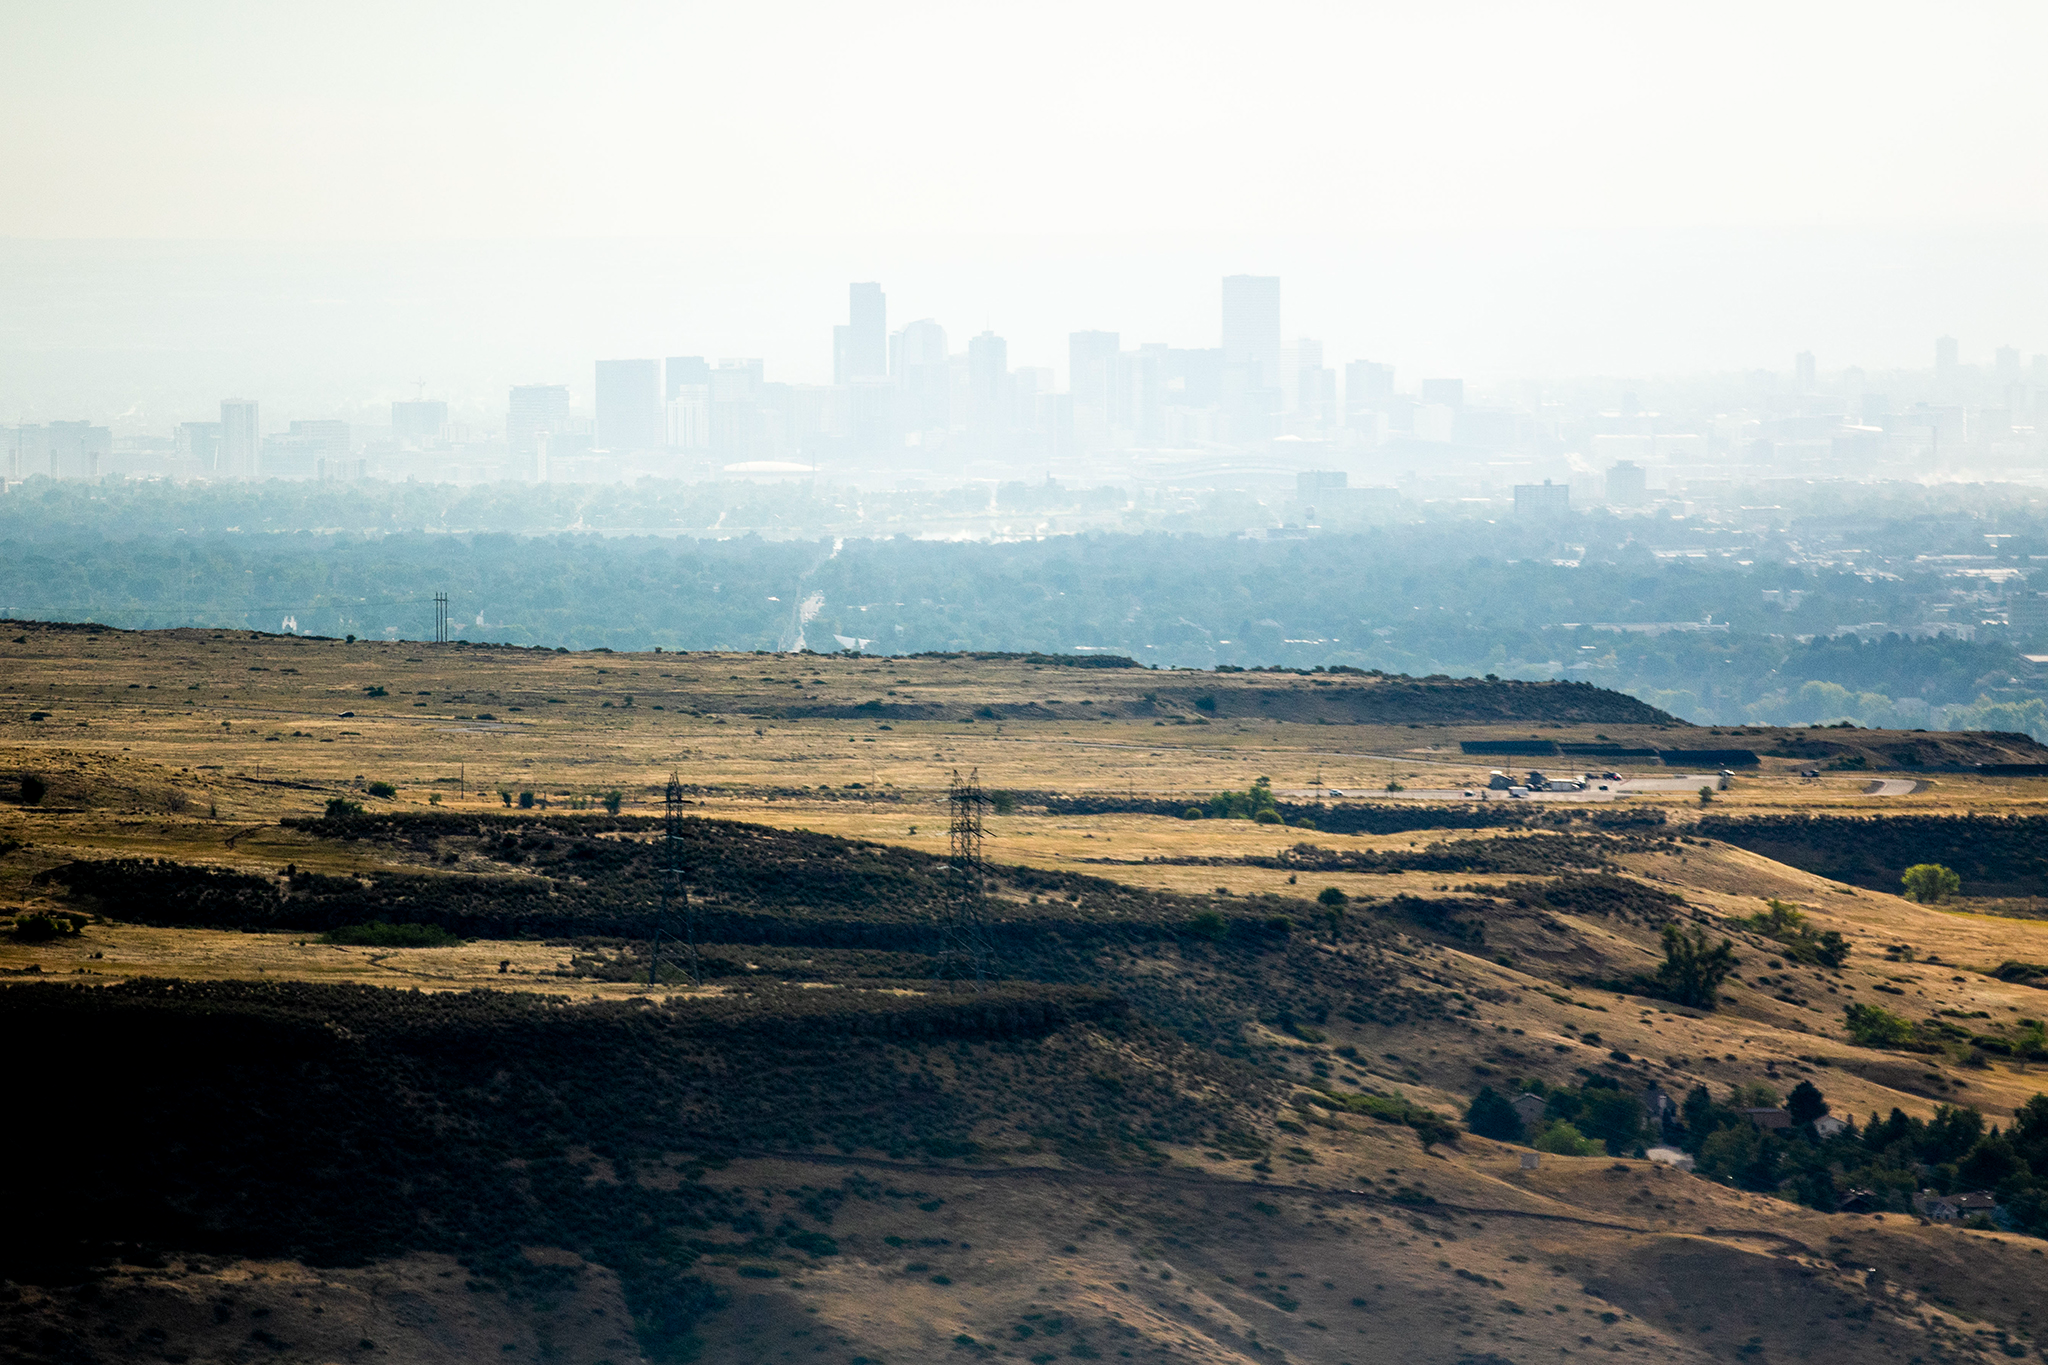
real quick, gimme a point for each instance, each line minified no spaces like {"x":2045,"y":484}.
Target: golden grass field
{"x":192,"y":745}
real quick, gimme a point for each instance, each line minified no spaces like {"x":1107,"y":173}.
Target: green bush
{"x":1876,"y":1026}
{"x":382,"y":790}
{"x":1209,"y":925}
{"x":378,"y":934}
{"x":1691,"y":972}
{"x":1191,"y":813}
{"x":1786,"y":923}
{"x":341,"y":810}
{"x":1561,"y":1139}
{"x":612,"y":800}
{"x":1267,"y":817}
{"x":41,"y":927}
{"x":1491,"y":1116}
{"x":1333,"y":897}
{"x":1930,"y":883}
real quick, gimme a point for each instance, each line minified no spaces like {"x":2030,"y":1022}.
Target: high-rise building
{"x":199,"y":443}
{"x":240,"y":442}
{"x":78,"y":450}
{"x":680,"y":371}
{"x":1628,"y":484}
{"x":2009,"y":364}
{"x":924,"y":389}
{"x":629,"y":406}
{"x":1803,"y":365}
{"x":533,"y":413}
{"x":1448,"y":393}
{"x":1299,"y":356}
{"x":860,"y":349}
{"x":988,"y":385}
{"x":418,"y":422}
{"x":1544,"y":499}
{"x":1251,"y":325}
{"x":1091,"y":379}
{"x":1946,"y":353}
{"x":1366,"y":386}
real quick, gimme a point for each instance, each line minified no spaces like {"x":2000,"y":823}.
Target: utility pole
{"x":965,"y":944}
{"x":672,"y":888}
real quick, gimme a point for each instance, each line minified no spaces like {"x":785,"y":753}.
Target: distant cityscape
{"x":909,"y":408}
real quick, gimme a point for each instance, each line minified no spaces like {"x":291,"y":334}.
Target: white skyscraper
{"x":240,"y":442}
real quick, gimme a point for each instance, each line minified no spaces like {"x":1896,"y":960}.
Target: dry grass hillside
{"x":1202,"y":1117}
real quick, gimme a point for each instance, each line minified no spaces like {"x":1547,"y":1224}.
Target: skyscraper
{"x":1803,"y":364}
{"x":923,"y":386}
{"x":414,"y":423}
{"x":988,"y":385}
{"x":1091,"y":379}
{"x":1251,"y":325}
{"x":860,"y":349}
{"x":239,"y":440}
{"x":686,"y":384}
{"x":533,"y":413}
{"x":629,"y":406}
{"x":1946,"y":353}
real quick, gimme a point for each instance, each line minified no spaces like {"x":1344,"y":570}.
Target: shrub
{"x":1691,"y":972}
{"x":1876,"y":1026}
{"x":33,"y":789}
{"x":526,"y":800}
{"x":1002,"y":803}
{"x":1491,"y":1116}
{"x":1333,"y":898}
{"x":1786,"y":923}
{"x":41,"y":927}
{"x":1209,"y":925}
{"x":612,"y":799}
{"x":1561,"y":1139}
{"x":383,"y":790}
{"x":378,"y":934}
{"x":1930,"y":883}
{"x":1267,"y":817}
{"x":1191,"y":813}
{"x":375,"y":691}
{"x":341,"y":810}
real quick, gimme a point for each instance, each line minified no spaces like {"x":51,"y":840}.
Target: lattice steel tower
{"x":440,"y":618}
{"x":673,"y":892}
{"x":967,"y":948}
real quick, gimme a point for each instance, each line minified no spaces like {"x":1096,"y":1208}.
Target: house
{"x":1827,"y":1126}
{"x":1529,"y":1109}
{"x":1662,"y":1109}
{"x":1954,"y":1208}
{"x":1770,"y":1120}
{"x":1670,"y":1156}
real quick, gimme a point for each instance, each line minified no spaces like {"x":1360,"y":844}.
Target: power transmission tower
{"x":672,"y":888}
{"x":440,"y":618}
{"x":966,"y":948}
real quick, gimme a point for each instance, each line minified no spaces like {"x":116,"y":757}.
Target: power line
{"x":966,"y":948}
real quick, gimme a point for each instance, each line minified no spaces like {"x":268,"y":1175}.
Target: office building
{"x":419,"y":423}
{"x":1251,"y":326}
{"x":240,"y":442}
{"x":1367,"y":387}
{"x":1449,"y":393}
{"x":1628,"y":484}
{"x":679,"y":372}
{"x":198,"y":444}
{"x":533,"y":414}
{"x":1544,"y":499}
{"x":629,"y":406}
{"x":26,"y":449}
{"x":924,"y":385}
{"x":1803,"y":375}
{"x":1091,"y":379}
{"x":860,"y":349}
{"x":988,"y":385}
{"x":1946,"y":354}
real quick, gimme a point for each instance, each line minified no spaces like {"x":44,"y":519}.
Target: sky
{"x":478,"y":193}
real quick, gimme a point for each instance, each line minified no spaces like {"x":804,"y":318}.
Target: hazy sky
{"x":1461,"y":188}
